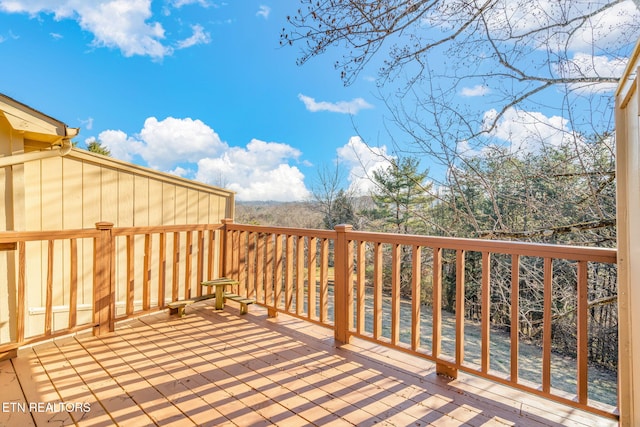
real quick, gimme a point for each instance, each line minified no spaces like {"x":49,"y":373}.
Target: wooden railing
{"x":386,"y":288}
{"x":71,"y":280}
{"x":374,"y":285}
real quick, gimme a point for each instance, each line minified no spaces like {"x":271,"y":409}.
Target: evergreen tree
{"x":402,"y":197}
{"x":98,"y":148}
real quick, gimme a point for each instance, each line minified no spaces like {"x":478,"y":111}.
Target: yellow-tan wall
{"x":82,"y":188}
{"x":11,"y":186}
{"x":628,"y":228}
{"x":76,"y":191}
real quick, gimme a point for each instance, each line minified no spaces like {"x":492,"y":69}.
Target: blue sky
{"x":198,"y":88}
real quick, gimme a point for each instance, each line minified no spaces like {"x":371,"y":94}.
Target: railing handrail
{"x":575,"y":253}
{"x":86,"y":233}
{"x":30,"y":236}
{"x":551,"y":250}
{"x":307,"y":232}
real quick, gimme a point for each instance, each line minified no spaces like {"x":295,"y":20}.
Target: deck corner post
{"x":343,"y":284}
{"x":103,"y":280}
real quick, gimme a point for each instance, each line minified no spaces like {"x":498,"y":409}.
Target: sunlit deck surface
{"x":219,"y":368}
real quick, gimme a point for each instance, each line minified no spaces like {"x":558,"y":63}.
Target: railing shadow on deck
{"x":353,"y":282}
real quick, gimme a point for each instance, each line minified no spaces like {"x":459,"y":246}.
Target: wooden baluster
{"x":460,"y":309}
{"x":486,"y":312}
{"x":162,"y":269}
{"x":377,"y":290}
{"x":311,"y":277}
{"x":360,"y":283}
{"x":324,"y":281}
{"x":416,"y":291}
{"x":277,"y":276}
{"x":395,"y":293}
{"x":582,"y":333}
{"x":73,"y":283}
{"x":546,"y":322}
{"x":515,"y":316}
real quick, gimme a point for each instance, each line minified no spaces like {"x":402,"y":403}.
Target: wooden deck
{"x":218,"y":368}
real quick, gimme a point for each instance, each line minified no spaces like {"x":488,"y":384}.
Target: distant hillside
{"x":289,"y":214}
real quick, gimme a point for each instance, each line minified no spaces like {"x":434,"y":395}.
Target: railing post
{"x":343,"y":284}
{"x":225,"y":249}
{"x":103,"y":285}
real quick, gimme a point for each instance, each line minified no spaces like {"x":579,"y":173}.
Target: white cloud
{"x":528,"y":131}
{"x":344,"y":107}
{"x":122,"y":24}
{"x":172,"y":141}
{"x":191,"y":149}
{"x":199,"y":37}
{"x":258,"y":172}
{"x":87,"y":124}
{"x":605,"y":30}
{"x":588,"y":66}
{"x":264,"y":11}
{"x":361,"y":161}
{"x":477,"y":90}
{"x":180,"y":3}
{"x":119,"y":143}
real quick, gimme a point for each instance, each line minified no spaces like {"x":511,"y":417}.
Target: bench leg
{"x":243,"y":308}
{"x":180,"y":311}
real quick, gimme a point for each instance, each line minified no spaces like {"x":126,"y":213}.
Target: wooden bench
{"x":244,"y":302}
{"x":178,"y":307}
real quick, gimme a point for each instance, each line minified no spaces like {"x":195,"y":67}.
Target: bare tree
{"x":331,"y":199}
{"x":527,"y":46}
{"x":456,"y":76}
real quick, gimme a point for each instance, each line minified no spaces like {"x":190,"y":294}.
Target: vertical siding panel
{"x":140,"y":219}
{"x":214,"y":209}
{"x":126,"y":195}
{"x":193,"y":204}
{"x":181,"y":218}
{"x":169,"y":218}
{"x":72,"y":194}
{"x":52,"y":214}
{"x":155,"y":218}
{"x":33,"y":261}
{"x":33,"y":196}
{"x":140,"y":201}
{"x":52,"y":194}
{"x":90,"y":215}
{"x":181,"y":206}
{"x":109,"y":195}
{"x":72,"y":218}
{"x":203,"y":207}
{"x":168,"y":204}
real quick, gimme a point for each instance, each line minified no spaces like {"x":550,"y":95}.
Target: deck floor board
{"x":216,"y":368}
